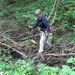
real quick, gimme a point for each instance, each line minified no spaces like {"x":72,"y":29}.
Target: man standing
{"x":42,"y":22}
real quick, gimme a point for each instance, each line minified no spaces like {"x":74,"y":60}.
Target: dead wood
{"x":21,"y":53}
{"x":68,"y":54}
{"x":50,"y":53}
{"x":7,"y":38}
{"x":18,"y":37}
{"x":15,"y":48}
{"x":28,"y":37}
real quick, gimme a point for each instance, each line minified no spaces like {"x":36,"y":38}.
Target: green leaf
{"x":71,"y":60}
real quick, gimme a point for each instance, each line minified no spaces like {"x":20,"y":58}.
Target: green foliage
{"x":66,"y":70}
{"x":71,"y":61}
{"x":46,"y":70}
{"x":21,"y":67}
{"x":26,"y":67}
{"x":25,"y":15}
{"x":73,"y":37}
{"x":26,"y":41}
{"x":66,"y":15}
{"x":33,"y":46}
{"x":23,"y":11}
{"x":6,"y":57}
{"x":65,"y":18}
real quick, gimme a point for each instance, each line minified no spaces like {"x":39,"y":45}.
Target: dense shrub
{"x":26,"y":67}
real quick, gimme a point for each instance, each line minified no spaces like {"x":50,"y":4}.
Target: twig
{"x":23,"y":34}
{"x":42,"y":56}
{"x":11,"y":40}
{"x":28,"y":37}
{"x":20,"y":35}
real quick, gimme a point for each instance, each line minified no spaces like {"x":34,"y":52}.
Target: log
{"x":60,"y":55}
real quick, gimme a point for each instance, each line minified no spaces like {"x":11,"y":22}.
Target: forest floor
{"x":24,"y":43}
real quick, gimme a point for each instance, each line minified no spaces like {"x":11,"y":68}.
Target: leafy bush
{"x":73,"y":37}
{"x":26,"y":67}
{"x":66,"y":15}
{"x":5,"y":57}
{"x":66,"y":70}
{"x":46,"y":70}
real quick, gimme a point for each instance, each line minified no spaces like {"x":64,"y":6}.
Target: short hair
{"x":38,"y":11}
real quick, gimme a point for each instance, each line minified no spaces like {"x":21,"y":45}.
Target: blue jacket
{"x":43,"y":24}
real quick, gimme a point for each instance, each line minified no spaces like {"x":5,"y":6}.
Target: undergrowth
{"x":23,"y":13}
{"x":26,"y":67}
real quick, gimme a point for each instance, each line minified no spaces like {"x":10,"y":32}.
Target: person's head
{"x":38,"y":13}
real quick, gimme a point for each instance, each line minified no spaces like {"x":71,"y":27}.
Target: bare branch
{"x":52,"y":9}
{"x":52,"y":54}
{"x":53,"y":19}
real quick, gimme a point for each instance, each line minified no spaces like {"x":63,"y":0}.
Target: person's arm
{"x":45,"y":21}
{"x":35,"y":25}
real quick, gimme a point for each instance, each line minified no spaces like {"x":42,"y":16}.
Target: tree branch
{"x":53,"y":19}
{"x":52,"y":9}
{"x":52,"y":54}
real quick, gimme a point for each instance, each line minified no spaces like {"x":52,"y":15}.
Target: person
{"x":42,"y":22}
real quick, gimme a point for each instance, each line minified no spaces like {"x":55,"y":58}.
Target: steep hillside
{"x":23,"y":13}
{"x":18,"y":42}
